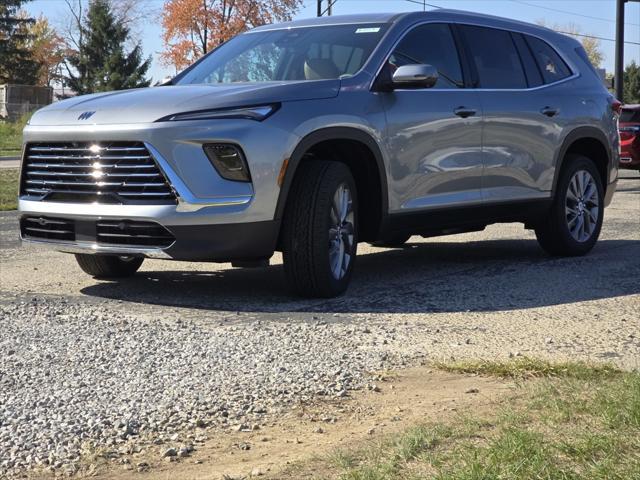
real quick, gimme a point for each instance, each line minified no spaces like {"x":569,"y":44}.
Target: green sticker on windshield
{"x":368,"y":30}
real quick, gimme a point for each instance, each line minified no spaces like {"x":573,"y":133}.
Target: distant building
{"x":17,"y":100}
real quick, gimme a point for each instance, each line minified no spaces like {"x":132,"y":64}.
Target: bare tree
{"x":590,"y":44}
{"x":130,"y":13}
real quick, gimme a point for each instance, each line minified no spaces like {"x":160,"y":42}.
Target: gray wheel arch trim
{"x":573,"y":136}
{"x":322,"y":135}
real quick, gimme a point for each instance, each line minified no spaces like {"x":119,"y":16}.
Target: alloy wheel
{"x":341,"y":232}
{"x":582,"y":206}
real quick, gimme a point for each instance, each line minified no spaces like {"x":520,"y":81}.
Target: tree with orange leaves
{"x":194,"y":27}
{"x":48,"y":50}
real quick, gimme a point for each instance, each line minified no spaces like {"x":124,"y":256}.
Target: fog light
{"x":228,"y":160}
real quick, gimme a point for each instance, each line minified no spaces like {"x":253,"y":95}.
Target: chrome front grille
{"x":111,"y":172}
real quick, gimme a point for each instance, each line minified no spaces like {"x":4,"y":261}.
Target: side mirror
{"x":415,"y":76}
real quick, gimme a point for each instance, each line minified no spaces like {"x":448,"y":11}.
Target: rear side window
{"x":531,"y":70}
{"x":495,"y":58}
{"x":551,"y":65}
{"x":431,"y":44}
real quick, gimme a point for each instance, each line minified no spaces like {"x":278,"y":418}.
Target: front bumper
{"x":630,"y":152}
{"x":215,"y":243}
{"x":213,"y":219}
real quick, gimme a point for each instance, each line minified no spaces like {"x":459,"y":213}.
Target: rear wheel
{"x":109,"y":266}
{"x":574,"y":222}
{"x":320,"y":234}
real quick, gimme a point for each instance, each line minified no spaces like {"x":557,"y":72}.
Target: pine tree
{"x":632,"y":83}
{"x":101,"y":63}
{"x":16,"y":61}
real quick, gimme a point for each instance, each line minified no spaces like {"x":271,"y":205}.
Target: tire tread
{"x":303,"y":250}
{"x":107,"y":266}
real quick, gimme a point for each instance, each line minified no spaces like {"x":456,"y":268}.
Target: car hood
{"x":150,"y":104}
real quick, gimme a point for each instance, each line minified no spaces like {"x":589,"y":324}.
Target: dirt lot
{"x":214,"y":335}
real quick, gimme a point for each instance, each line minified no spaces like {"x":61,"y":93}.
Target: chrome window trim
{"x":569,"y":64}
{"x":293,"y":27}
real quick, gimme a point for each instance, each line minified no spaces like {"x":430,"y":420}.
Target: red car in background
{"x":629,"y":124}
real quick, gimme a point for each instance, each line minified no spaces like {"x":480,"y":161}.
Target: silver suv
{"x":308,"y":137}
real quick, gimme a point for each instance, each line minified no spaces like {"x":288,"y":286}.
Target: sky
{"x":592,"y":17}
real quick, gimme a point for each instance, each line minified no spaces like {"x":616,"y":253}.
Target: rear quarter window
{"x":551,"y":65}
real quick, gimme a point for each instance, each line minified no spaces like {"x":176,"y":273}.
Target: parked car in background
{"x":630,"y":137}
{"x":308,"y":137}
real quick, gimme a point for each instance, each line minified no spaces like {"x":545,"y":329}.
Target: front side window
{"x":495,"y":57}
{"x":306,"y":53}
{"x":431,"y":44}
{"x":551,"y":65}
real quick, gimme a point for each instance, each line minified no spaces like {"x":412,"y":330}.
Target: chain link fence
{"x":13,"y":112}
{"x":16,"y":101}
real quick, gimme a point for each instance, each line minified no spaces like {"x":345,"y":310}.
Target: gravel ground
{"x":86,"y":365}
{"x":63,"y":391}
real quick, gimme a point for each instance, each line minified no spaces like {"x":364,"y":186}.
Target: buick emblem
{"x":85,"y":115}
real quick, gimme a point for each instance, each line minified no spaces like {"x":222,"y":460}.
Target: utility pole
{"x":328,"y":11}
{"x":619,"y":73}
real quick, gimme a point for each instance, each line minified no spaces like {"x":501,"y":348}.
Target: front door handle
{"x":549,"y":111}
{"x":464,"y":112}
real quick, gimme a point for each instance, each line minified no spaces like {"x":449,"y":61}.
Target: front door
{"x":434,"y":135}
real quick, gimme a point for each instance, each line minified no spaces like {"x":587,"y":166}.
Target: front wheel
{"x":320,"y":234}
{"x":574,"y":222}
{"x":108,"y":266}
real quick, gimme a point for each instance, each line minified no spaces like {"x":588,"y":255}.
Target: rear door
{"x":434,"y":135}
{"x":522,"y":113}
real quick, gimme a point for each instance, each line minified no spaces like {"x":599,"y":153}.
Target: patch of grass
{"x":11,"y":136}
{"x":9,"y":183}
{"x":523,"y":368}
{"x":342,"y":459}
{"x":577,"y":422}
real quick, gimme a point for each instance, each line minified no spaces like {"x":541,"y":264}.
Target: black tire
{"x":553,"y":232}
{"x":108,"y":266}
{"x":306,"y":236}
{"x":392,"y":242}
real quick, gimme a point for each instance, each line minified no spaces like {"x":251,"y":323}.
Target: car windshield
{"x":294,"y":54}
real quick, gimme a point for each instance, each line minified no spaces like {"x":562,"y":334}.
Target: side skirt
{"x":447,"y":221}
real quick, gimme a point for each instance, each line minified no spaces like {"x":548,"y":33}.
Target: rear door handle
{"x":464,"y":112}
{"x":549,"y":111}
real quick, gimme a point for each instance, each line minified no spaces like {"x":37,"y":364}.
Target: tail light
{"x":626,"y":135}
{"x":616,"y":106}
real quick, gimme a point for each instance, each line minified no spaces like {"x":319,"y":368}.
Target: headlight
{"x":257,"y":113}
{"x":228,"y":160}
